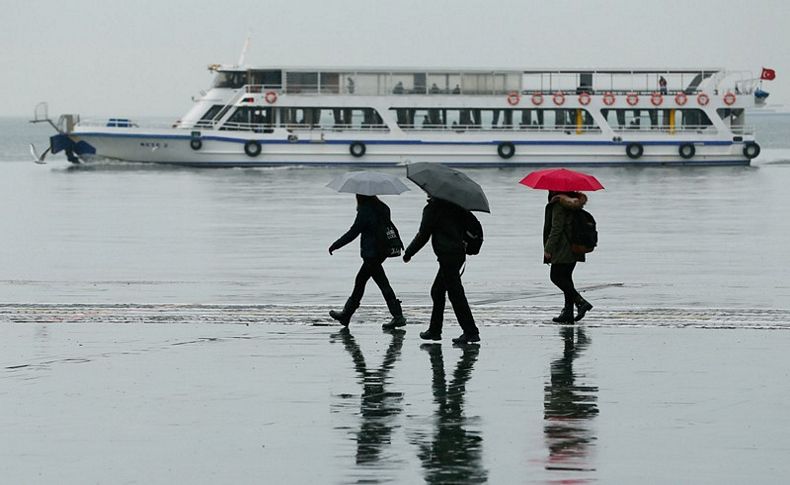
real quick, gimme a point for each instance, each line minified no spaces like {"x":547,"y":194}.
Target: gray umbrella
{"x":368,"y":183}
{"x":451,"y":185}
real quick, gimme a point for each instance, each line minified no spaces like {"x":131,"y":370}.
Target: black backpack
{"x":584,"y":234}
{"x":473,"y":235}
{"x":388,"y":240}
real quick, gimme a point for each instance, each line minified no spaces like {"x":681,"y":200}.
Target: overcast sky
{"x":148,"y":57}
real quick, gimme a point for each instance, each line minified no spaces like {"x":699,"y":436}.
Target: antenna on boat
{"x":244,"y":50}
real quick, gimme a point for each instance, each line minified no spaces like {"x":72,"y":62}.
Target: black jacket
{"x":370,"y":214}
{"x":443,"y":223}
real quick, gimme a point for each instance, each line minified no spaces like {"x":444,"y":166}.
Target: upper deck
{"x":476,"y":82}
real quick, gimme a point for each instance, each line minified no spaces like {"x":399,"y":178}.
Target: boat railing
{"x":707,"y":129}
{"x":502,"y":128}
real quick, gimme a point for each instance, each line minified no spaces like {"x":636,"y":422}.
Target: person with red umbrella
{"x":564,"y":200}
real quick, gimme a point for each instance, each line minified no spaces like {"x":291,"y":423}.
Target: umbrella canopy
{"x":561,"y":180}
{"x":368,"y":183}
{"x":451,"y":185}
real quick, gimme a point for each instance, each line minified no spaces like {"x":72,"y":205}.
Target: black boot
{"x":582,"y":307}
{"x":344,"y":316}
{"x":566,"y":316}
{"x":431,"y":334}
{"x":398,"y":320}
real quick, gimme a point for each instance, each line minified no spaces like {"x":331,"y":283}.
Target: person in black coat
{"x":443,"y":223}
{"x":371,"y":213}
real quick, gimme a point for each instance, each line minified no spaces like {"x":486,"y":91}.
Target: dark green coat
{"x":557,"y":227}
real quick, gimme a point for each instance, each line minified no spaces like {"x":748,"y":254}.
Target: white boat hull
{"x":219,"y":148}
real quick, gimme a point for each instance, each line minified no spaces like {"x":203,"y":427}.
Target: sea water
{"x":129,"y":233}
{"x":168,"y":325}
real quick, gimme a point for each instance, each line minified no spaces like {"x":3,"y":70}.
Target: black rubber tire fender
{"x":506,"y":150}
{"x":252,"y":148}
{"x":634,"y":150}
{"x":687,"y":151}
{"x":357,"y":149}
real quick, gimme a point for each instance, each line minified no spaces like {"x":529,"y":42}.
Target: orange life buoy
{"x":559,"y":98}
{"x":681,"y":98}
{"x":703,"y":99}
{"x":656,"y":98}
{"x":608,"y":98}
{"x":537,"y":99}
{"x":270,"y":97}
{"x":632,"y":99}
{"x":584,"y":99}
{"x":729,"y":99}
{"x":513,"y":98}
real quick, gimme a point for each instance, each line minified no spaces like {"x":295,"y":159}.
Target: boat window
{"x":212,"y":112}
{"x":250,"y":118}
{"x":331,"y":119}
{"x":462,"y":119}
{"x":657,"y":119}
{"x":302,"y":82}
{"x":270,"y":79}
{"x":330,"y":82}
{"x":230,"y":79}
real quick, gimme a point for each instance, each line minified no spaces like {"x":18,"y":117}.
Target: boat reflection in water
{"x":569,"y":409}
{"x":378,"y":407}
{"x":454,"y":453}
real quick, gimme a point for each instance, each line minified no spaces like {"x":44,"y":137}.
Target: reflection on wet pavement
{"x":378,"y":407}
{"x":453,"y":454}
{"x":569,"y":408}
{"x":287,"y":403}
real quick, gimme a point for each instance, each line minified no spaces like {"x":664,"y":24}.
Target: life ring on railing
{"x":584,"y":99}
{"x":559,"y":98}
{"x":270,"y":97}
{"x":537,"y":99}
{"x":608,"y":98}
{"x":513,"y":98}
{"x":729,"y":99}
{"x":703,"y":99}
{"x":681,"y":99}
{"x":195,"y":144}
{"x":632,"y":99}
{"x":656,"y":99}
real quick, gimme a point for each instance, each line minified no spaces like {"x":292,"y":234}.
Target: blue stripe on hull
{"x":353,"y":163}
{"x":414,"y":142}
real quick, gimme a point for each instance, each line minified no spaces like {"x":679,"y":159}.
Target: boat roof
{"x":444,"y":70}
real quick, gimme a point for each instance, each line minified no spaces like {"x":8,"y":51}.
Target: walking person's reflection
{"x":378,"y":407}
{"x":568,"y":409}
{"x":454,"y":454}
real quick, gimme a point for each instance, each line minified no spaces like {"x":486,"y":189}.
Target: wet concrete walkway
{"x":114,"y":396}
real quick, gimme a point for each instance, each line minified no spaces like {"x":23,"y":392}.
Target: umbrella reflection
{"x":568,"y":409}
{"x":454,"y":454}
{"x":378,"y":408}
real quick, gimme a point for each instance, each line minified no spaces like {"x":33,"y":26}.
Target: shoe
{"x":566,"y":316}
{"x":430,"y":335}
{"x":395,"y":323}
{"x":466,"y":338}
{"x":341,"y":317}
{"x":582,"y":310}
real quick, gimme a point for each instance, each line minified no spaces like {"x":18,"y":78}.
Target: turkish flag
{"x":768,"y":74}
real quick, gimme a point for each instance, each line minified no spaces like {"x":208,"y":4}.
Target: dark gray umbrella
{"x":446,"y":183}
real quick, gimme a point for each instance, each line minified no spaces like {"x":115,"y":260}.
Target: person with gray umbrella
{"x":445,"y":219}
{"x":372,"y":216}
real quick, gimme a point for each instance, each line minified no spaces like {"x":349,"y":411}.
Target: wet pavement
{"x":132,"y":402}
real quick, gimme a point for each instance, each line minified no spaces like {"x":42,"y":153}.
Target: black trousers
{"x":371,"y":268}
{"x":448,"y":281}
{"x":562,"y":276}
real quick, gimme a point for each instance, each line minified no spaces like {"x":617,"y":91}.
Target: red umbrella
{"x":561,"y":180}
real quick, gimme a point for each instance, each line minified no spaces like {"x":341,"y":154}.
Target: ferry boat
{"x":264,"y":116}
